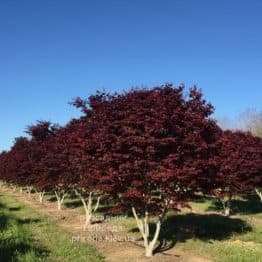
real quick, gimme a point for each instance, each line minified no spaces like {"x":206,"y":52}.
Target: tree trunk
{"x":59,"y":205}
{"x":227,"y":206}
{"x":227,"y":212}
{"x":29,"y":190}
{"x":97,"y":203}
{"x":88,"y":207}
{"x":259,"y":193}
{"x":148,"y":251}
{"x":143,"y":226}
{"x":41,"y":196}
{"x":60,"y":196}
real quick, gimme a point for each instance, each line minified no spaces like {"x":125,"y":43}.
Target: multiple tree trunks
{"x":88,"y":206}
{"x":41,"y":196}
{"x":60,"y":196}
{"x":143,"y":226}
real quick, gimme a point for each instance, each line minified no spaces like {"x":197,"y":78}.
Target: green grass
{"x":234,"y":239}
{"x":205,"y":232}
{"x":224,"y":251}
{"x":26,"y":235}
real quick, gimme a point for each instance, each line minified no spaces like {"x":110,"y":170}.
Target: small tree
{"x":40,"y":134}
{"x":240,"y":166}
{"x":251,"y":121}
{"x":56,"y":167}
{"x":18,"y":164}
{"x":87,"y":157}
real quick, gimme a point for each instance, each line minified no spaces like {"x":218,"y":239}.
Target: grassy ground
{"x":25,"y":235}
{"x":206,"y":232}
{"x":238,"y":238}
{"x":202,"y":231}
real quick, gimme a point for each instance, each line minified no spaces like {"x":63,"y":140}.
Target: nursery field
{"x":116,"y":183}
{"x":31,"y":231}
{"x":131,"y":131}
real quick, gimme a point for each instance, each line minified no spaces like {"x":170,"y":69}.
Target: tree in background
{"x":251,"y":120}
{"x":85,"y":163}
{"x":239,"y":166}
{"x":40,"y":134}
{"x":19,"y":163}
{"x":58,"y":173}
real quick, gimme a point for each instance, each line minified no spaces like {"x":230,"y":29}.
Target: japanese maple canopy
{"x":239,"y":163}
{"x":17,"y":166}
{"x":152,"y":146}
{"x":149,"y":148}
{"x":23,"y":163}
{"x":41,"y":131}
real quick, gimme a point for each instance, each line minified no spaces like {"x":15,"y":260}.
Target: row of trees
{"x":148,"y":151}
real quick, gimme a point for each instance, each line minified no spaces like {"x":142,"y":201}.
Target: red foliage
{"x":239,"y":163}
{"x":152,"y":147}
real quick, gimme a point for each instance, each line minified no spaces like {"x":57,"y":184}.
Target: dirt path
{"x":114,"y":251}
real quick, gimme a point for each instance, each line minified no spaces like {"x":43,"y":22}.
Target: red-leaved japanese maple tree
{"x":40,"y":134}
{"x":155,"y":150}
{"x":239,"y":166}
{"x":86,"y":157}
{"x":56,"y":165}
{"x":17,"y":166}
{"x":67,"y":164}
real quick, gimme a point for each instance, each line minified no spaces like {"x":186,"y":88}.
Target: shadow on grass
{"x":249,"y":204}
{"x":74,"y":203}
{"x":2,"y":206}
{"x":203,"y":199}
{"x":14,"y":208}
{"x":51,"y":198}
{"x":28,"y":221}
{"x":206,"y":227}
{"x":3,"y":222}
{"x":16,"y":242}
{"x":12,"y":249}
{"x":106,"y":209}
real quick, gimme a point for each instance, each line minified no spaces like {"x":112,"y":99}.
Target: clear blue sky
{"x":52,"y":51}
